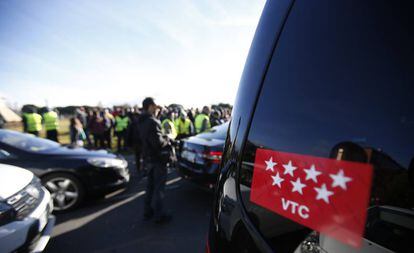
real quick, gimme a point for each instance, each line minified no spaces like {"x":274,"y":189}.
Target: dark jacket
{"x":151,"y":137}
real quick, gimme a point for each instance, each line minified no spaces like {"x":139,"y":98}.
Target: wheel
{"x":66,"y":191}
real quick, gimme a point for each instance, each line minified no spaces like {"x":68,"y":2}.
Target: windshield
{"x":217,"y":132}
{"x":26,"y":142}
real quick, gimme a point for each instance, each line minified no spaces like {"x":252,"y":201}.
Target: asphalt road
{"x":115,"y":224}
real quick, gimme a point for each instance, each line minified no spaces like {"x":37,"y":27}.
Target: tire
{"x":66,"y":191}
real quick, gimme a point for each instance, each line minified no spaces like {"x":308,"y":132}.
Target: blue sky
{"x":90,"y":51}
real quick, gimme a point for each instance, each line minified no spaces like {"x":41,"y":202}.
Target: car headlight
{"x":107,"y":162}
{"x":7,"y":213}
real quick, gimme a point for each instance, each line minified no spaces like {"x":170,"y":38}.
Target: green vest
{"x":199,"y":122}
{"x":34,"y":122}
{"x":51,"y":121}
{"x":184,"y":127}
{"x":173,"y":130}
{"x":121,"y":123}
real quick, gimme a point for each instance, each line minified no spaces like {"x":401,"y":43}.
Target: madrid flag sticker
{"x":326,"y":195}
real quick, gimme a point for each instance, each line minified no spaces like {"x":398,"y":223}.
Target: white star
{"x":270,"y":164}
{"x":312,"y":173}
{"x":277,"y":180}
{"x":323,"y":193}
{"x":340,"y":179}
{"x":289,"y":168}
{"x":297,"y":186}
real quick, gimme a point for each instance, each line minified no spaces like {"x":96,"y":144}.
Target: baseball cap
{"x":147,"y":102}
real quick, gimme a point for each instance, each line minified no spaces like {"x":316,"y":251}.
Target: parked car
{"x":26,"y":222}
{"x":319,"y":155}
{"x":69,"y":174}
{"x":201,"y":156}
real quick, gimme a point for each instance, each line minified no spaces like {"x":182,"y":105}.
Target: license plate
{"x":189,"y":156}
{"x":43,"y":221}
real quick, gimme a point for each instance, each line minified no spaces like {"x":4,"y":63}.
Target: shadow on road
{"x":115,"y":224}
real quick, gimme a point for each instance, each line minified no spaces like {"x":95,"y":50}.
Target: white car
{"x":25,"y":211}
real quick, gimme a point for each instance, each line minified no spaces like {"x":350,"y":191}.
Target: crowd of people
{"x":95,"y":128}
{"x":150,"y":131}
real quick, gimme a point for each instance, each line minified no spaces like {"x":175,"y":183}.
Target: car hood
{"x":13,"y":179}
{"x":79,"y":152}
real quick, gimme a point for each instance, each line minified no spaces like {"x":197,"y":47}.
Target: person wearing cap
{"x":153,"y":143}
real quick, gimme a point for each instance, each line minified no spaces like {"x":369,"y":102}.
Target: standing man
{"x":153,"y":143}
{"x":185,"y":126}
{"x":121,"y":126}
{"x":202,"y":120}
{"x":51,"y":121}
{"x":33,"y":122}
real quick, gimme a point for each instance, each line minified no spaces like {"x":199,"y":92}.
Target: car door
{"x":338,"y":90}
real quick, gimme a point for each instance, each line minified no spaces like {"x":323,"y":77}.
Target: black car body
{"x":200,"y":156}
{"x":92,"y":173}
{"x":326,"y":79}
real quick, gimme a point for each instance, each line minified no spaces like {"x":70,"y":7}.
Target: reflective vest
{"x":121,"y":123}
{"x":177,"y":125}
{"x":34,"y":122}
{"x":184,"y":127}
{"x":51,"y":121}
{"x":199,"y":122}
{"x":173,"y":130}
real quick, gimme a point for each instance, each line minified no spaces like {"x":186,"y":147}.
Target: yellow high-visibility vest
{"x":51,"y":121}
{"x":199,"y":122}
{"x":121,"y":123}
{"x":184,"y":126}
{"x":34,"y":122}
{"x":171,"y":124}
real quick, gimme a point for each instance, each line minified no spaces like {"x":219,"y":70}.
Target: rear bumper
{"x":198,"y":176}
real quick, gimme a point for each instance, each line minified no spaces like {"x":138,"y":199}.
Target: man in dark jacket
{"x":153,"y":142}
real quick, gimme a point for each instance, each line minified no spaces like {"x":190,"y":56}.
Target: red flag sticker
{"x":326,"y":195}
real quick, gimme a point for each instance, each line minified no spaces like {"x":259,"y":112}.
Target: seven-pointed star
{"x":277,"y":180}
{"x":289,"y":168}
{"x":270,"y":164}
{"x":323,"y":193}
{"x":312,"y":173}
{"x":340,"y":179}
{"x":297,"y":186}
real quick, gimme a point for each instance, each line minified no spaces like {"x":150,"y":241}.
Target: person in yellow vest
{"x":168,"y":127}
{"x":202,"y":120}
{"x":185,"y":127}
{"x":33,"y":122}
{"x":121,"y":127}
{"x":51,"y":121}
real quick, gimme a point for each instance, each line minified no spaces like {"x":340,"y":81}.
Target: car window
{"x":217,"y":132}
{"x":26,"y":142}
{"x":348,"y":98}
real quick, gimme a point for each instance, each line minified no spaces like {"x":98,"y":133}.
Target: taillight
{"x":213,"y":156}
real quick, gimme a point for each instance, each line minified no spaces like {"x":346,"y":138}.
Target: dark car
{"x":200,"y":156}
{"x":69,"y":174}
{"x":319,"y":156}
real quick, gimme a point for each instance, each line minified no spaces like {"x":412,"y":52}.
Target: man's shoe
{"x":163,"y":219}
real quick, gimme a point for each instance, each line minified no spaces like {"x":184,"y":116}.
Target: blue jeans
{"x":154,"y":198}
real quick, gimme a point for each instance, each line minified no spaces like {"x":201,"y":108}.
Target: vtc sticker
{"x":326,"y":195}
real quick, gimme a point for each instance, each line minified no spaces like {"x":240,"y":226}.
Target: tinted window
{"x":217,"y":132}
{"x":340,"y":85}
{"x":26,"y":142}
